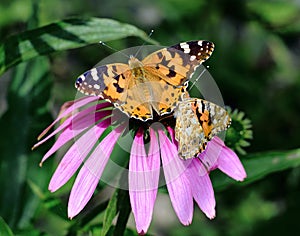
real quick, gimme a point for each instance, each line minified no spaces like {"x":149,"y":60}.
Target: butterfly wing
{"x":197,"y":122}
{"x":164,"y":96}
{"x":188,"y":131}
{"x":108,"y":81}
{"x":169,"y":68}
{"x":136,"y":103}
{"x":114,"y":83}
{"x":179,"y":61}
{"x":165,"y":72}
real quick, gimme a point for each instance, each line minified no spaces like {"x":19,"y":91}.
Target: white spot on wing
{"x":185,"y":47}
{"x":94,"y":74}
{"x":192,"y":58}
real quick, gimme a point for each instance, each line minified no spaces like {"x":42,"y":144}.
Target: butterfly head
{"x":133,"y":63}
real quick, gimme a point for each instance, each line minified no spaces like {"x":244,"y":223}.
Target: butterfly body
{"x":154,"y":84}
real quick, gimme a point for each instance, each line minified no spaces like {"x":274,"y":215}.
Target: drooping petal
{"x":177,"y":183}
{"x":74,"y":129}
{"x":82,"y":119}
{"x":209,"y":157}
{"x":229,"y":163}
{"x":76,"y":105}
{"x":76,"y":155}
{"x":143,"y":179}
{"x":90,"y":173}
{"x":202,"y":188}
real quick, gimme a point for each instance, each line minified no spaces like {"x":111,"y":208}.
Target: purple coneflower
{"x":86,"y":121}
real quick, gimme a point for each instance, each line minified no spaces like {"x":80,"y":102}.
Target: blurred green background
{"x":255,"y":64}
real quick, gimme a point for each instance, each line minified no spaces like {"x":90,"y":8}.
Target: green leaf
{"x":110,"y":213}
{"x":119,"y":203}
{"x":125,"y":209}
{"x":4,"y":228}
{"x":27,"y":114}
{"x":259,"y":165}
{"x":63,"y":35}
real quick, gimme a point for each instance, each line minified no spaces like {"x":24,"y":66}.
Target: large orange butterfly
{"x":155,"y":83}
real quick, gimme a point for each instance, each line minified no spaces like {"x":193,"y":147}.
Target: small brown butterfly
{"x":197,"y":121}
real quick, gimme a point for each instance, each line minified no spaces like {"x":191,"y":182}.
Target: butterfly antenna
{"x":104,"y":44}
{"x":196,"y":80}
{"x":149,"y":35}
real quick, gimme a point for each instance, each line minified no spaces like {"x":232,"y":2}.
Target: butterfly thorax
{"x":136,"y":67}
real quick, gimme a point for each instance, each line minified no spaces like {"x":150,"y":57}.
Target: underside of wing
{"x":212,"y":118}
{"x":197,"y":122}
{"x":188,"y":131}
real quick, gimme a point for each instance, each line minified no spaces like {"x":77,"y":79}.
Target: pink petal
{"x":229,"y":163}
{"x":90,"y":173}
{"x":172,"y":134}
{"x":177,"y":183}
{"x":86,"y":115}
{"x":143,"y":179}
{"x":74,"y":129}
{"x":202,"y":189}
{"x":210,"y":155}
{"x":76,"y":104}
{"x":76,"y":155}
